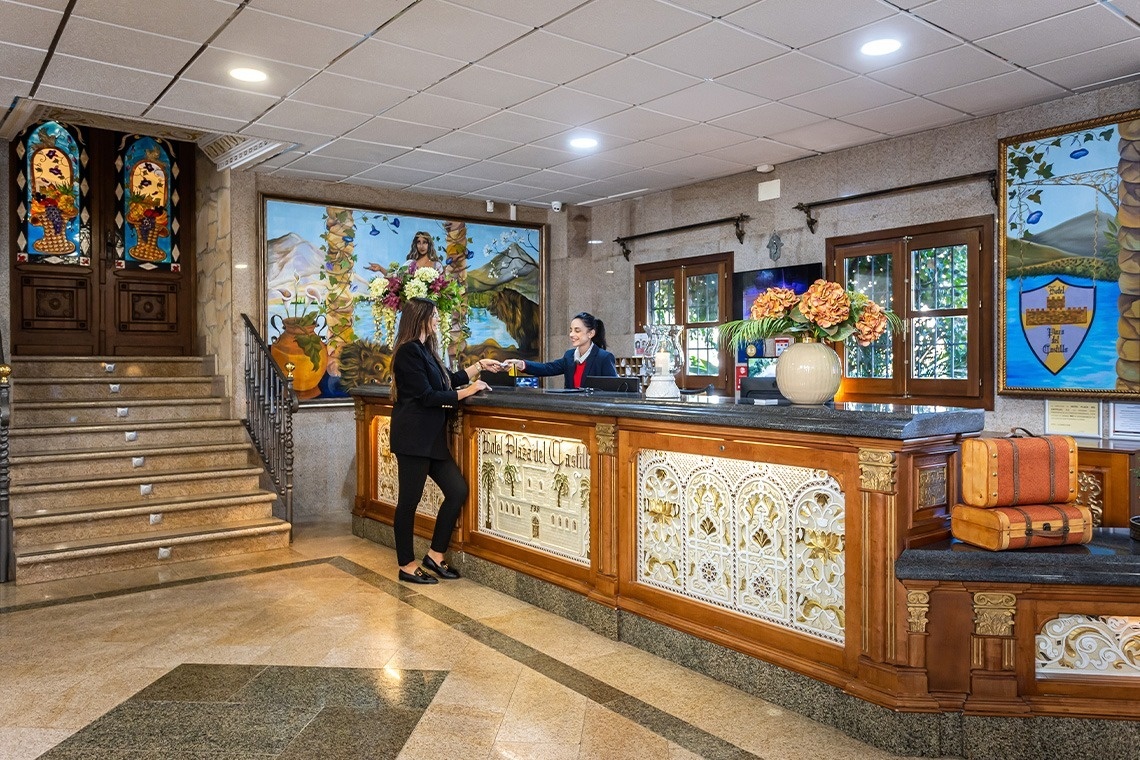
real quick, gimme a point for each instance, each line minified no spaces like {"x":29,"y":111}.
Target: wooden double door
{"x":101,"y":296}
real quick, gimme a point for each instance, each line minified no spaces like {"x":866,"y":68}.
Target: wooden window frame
{"x":720,"y":264}
{"x":977,"y":390}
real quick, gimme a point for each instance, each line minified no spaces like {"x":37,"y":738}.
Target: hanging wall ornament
{"x":774,"y":246}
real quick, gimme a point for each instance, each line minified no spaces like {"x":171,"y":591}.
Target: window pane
{"x":702,"y":351}
{"x":703,"y":298}
{"x":662,"y":302}
{"x":870,"y":275}
{"x":940,"y":348}
{"x":940,"y":277}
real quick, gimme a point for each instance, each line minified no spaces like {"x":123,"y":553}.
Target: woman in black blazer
{"x":587,"y":356}
{"x":423,"y":391}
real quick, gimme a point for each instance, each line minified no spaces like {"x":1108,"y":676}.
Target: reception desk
{"x":770,"y":531}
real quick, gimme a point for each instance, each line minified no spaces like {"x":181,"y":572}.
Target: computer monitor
{"x":612,"y":384}
{"x":760,"y":388}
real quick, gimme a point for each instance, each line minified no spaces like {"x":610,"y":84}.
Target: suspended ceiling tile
{"x":360,"y":16}
{"x":394,"y":65}
{"x":489,"y":87}
{"x":536,"y":157}
{"x":455,"y":185}
{"x":98,"y":41}
{"x":789,"y":74}
{"x":826,"y":136}
{"x":522,"y":11}
{"x":51,"y":5}
{"x":306,"y":141}
{"x":1001,"y":93}
{"x":359,"y":150}
{"x":561,"y":141}
{"x":214,"y":64}
{"x":82,"y":75}
{"x":653,"y":179}
{"x":760,"y":151}
{"x":798,"y":23}
{"x":964,"y":18}
{"x":451,"y":30}
{"x":551,"y":180}
{"x":568,"y":106}
{"x":468,"y":145}
{"x":713,"y":8}
{"x":1130,"y":7}
{"x":638,"y":124}
{"x":292,"y":173}
{"x":906,"y":116}
{"x":281,"y":159}
{"x":700,"y":138}
{"x":342,"y":167}
{"x":1061,"y":36}
{"x":918,"y":39}
{"x":281,"y":39}
{"x":516,"y":127}
{"x":393,"y":132}
{"x":712,"y":50}
{"x":549,"y":57}
{"x":89,"y":101}
{"x":705,"y":102}
{"x":388,"y":173}
{"x":438,"y":111}
{"x":426,"y":160}
{"x":307,"y":117}
{"x":19,"y":62}
{"x":566,"y":197}
{"x":13,"y":88}
{"x":1094,"y":67}
{"x":850,"y":96}
{"x":767,"y":119}
{"x":511,"y":192}
{"x":606,"y":189}
{"x":593,"y":167}
{"x":218,"y":101}
{"x":621,"y":24}
{"x":381,"y":184}
{"x":336,"y":91}
{"x":643,"y":153}
{"x":195,"y":21}
{"x":495,"y":171}
{"x":701,"y":167}
{"x":210,"y":122}
{"x":943,"y":70}
{"x":633,"y":81}
{"x":27,"y":25}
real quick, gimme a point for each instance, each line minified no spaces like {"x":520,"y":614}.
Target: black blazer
{"x":599,"y":362}
{"x":419,"y":416}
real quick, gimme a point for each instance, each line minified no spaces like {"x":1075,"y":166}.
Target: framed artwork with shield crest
{"x":1069,"y":263}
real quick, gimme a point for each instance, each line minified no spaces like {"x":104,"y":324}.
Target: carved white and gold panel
{"x":1083,"y":645}
{"x":534,"y":490}
{"x":387,"y":480}
{"x":765,"y":540}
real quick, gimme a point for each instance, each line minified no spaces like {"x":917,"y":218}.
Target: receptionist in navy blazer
{"x":587,"y":356}
{"x":423,"y":390}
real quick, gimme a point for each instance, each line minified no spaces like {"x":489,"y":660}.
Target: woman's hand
{"x":472,"y":389}
{"x":489,"y":365}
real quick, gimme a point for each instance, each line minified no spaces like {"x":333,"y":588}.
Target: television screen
{"x":747,"y":285}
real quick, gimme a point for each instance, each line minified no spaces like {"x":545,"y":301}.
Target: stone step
{"x":115,"y":389}
{"x":82,"y":524}
{"x":72,"y":465}
{"x":56,"y":413}
{"x":130,"y":491}
{"x":126,"y":436}
{"x":97,"y":555}
{"x":58,"y":367}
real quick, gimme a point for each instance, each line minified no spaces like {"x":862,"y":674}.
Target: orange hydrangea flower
{"x":825,"y":303}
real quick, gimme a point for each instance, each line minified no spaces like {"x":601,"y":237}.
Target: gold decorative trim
{"x":917,"y":605}
{"x":932,"y":487}
{"x":877,"y":470}
{"x":358,"y":409}
{"x":606,"y":435}
{"x":993,"y":614}
{"x":1090,"y":493}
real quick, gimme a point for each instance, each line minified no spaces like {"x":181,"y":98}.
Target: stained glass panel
{"x":52,"y":197}
{"x":147,"y":207}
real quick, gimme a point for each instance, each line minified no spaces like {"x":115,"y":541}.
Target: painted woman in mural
{"x":423,"y":253}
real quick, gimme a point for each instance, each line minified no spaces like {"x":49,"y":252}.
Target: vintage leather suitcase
{"x":1023,"y":527}
{"x":1004,"y":472}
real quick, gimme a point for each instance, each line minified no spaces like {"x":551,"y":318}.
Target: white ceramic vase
{"x":809,"y":373}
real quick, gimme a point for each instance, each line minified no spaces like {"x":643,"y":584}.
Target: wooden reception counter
{"x":774,"y":531}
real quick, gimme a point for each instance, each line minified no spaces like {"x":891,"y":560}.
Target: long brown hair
{"x":414,"y":254}
{"x":415,"y":320}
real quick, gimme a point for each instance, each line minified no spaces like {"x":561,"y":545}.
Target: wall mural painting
{"x":336,"y":277}
{"x":1069,"y":278}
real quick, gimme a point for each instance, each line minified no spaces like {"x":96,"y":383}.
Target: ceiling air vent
{"x":232,"y":151}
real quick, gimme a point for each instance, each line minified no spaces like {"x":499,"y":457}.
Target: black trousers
{"x":413,"y":473}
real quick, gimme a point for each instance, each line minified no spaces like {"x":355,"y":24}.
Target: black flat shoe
{"x":440,"y":568}
{"x":416,"y":576}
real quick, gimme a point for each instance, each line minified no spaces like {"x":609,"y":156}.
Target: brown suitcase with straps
{"x":1019,"y":469}
{"x":1023,"y":527}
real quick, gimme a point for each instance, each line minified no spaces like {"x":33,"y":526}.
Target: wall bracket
{"x":737,"y":221}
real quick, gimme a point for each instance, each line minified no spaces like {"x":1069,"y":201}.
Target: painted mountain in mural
{"x":513,"y":268}
{"x":1074,"y":236}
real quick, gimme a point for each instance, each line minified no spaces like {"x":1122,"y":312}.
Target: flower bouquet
{"x":389,"y":292}
{"x":825,"y":312}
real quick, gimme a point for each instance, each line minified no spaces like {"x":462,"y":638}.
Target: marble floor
{"x":316,"y":652}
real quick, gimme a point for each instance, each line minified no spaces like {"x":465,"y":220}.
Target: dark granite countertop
{"x":890,"y":421}
{"x":1112,"y":559}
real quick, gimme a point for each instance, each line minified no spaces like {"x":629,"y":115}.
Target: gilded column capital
{"x":993,"y":613}
{"x":917,"y":605}
{"x":878,"y":469}
{"x":606,"y":434}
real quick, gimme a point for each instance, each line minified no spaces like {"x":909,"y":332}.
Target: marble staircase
{"x":124,"y":462}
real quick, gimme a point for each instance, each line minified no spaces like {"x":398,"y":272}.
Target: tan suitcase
{"x":1004,"y":472}
{"x":1022,"y":527}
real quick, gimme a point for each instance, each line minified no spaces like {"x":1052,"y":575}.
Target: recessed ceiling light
{"x":593,"y":242}
{"x":248,"y":75}
{"x":880,"y":47}
{"x":609,"y":271}
{"x":583,"y":142}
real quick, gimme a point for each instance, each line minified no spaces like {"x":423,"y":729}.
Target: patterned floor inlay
{"x":232,"y":712}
